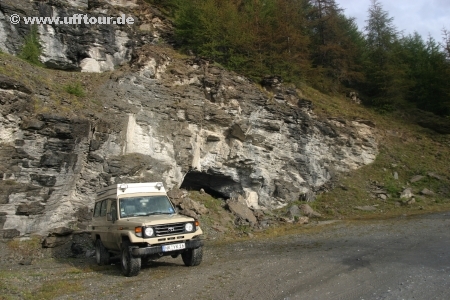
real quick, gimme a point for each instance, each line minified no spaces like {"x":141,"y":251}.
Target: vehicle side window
{"x":103,"y":208}
{"x":97,"y":209}
{"x":114,"y":209}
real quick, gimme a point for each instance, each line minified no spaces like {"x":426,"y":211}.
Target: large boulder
{"x":407,"y":193}
{"x":240,"y":209}
{"x":308,"y":211}
{"x":192,"y":208}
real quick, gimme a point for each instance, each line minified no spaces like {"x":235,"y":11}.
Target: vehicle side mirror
{"x":109,"y":217}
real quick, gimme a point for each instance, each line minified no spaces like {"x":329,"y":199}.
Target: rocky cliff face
{"x":185,"y":122}
{"x":82,"y":47}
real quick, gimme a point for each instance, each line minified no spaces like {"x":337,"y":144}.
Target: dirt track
{"x":406,"y":258}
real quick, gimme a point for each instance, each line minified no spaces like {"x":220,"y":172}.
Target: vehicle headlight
{"x":149,"y":231}
{"x":189,"y":227}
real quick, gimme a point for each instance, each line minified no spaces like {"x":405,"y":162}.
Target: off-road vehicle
{"x":139,"y":222}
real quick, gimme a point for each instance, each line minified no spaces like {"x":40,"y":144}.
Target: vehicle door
{"x":96,"y":219}
{"x":99,"y":224}
{"x":113,"y":233}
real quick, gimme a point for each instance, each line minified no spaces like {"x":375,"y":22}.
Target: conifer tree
{"x":31,"y":49}
{"x":255,"y":37}
{"x":446,"y":40}
{"x":335,"y":45}
{"x":381,"y":68}
{"x":427,"y":75}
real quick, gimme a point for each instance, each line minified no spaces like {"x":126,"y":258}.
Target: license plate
{"x":173,"y":247}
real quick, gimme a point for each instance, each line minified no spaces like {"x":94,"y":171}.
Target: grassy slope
{"x":59,"y":88}
{"x":404,"y":148}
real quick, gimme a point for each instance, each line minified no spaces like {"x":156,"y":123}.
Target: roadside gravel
{"x":403,"y":258}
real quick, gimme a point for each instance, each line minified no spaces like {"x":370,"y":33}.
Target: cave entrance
{"x":217,"y":185}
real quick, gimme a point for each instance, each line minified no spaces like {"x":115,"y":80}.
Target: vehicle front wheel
{"x":130,"y":265}
{"x":192,"y":257}
{"x":145,"y":260}
{"x":101,"y":253}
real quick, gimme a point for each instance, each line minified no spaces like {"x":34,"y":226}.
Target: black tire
{"x":192,"y":257}
{"x":101,"y":254}
{"x":130,"y":265}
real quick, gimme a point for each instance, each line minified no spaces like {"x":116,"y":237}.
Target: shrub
{"x":32,"y":50}
{"x":75,"y":89}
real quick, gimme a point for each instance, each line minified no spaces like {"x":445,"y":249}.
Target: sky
{"x":427,"y":17}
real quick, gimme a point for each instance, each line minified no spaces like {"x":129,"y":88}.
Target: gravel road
{"x":405,"y":258}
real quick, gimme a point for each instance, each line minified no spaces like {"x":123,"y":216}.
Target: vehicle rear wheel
{"x":130,"y":265}
{"x":101,"y":253}
{"x":192,"y":257}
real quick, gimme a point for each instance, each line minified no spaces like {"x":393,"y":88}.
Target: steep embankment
{"x":180,"y":121}
{"x":191,"y":124}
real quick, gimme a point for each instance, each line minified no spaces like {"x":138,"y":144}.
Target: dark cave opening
{"x":216,"y":185}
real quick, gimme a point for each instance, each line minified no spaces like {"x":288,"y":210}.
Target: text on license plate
{"x":173,"y":247}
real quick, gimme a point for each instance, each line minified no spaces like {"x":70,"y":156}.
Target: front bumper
{"x":190,"y":244}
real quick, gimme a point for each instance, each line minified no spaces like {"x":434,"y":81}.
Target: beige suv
{"x":138,"y":221}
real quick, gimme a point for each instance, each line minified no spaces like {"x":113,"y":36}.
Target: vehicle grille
{"x":169,"y":229}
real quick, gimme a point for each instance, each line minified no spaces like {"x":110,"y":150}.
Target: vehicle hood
{"x":157,"y":219}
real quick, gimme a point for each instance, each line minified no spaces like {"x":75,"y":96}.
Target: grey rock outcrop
{"x":416,"y":178}
{"x":184,"y":122}
{"x":354,"y":97}
{"x":435,"y":176}
{"x":238,"y":207}
{"x":308,"y":211}
{"x":294,"y":211}
{"x":80,"y":46}
{"x":162,"y":131}
{"x":366,"y":208}
{"x":303,"y":220}
{"x":57,"y":237}
{"x":170,"y":121}
{"x":192,"y":208}
{"x":407,"y":193}
{"x":427,"y":192}
{"x":377,"y":190}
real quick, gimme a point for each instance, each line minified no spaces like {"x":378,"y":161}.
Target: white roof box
{"x":132,"y":188}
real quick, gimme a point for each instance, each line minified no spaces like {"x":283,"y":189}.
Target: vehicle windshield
{"x":145,"y":206}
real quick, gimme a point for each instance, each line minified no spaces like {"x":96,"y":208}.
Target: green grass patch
{"x":9,"y":285}
{"x":25,"y":248}
{"x":207,"y":200}
{"x":53,"y":289}
{"x":75,"y":89}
